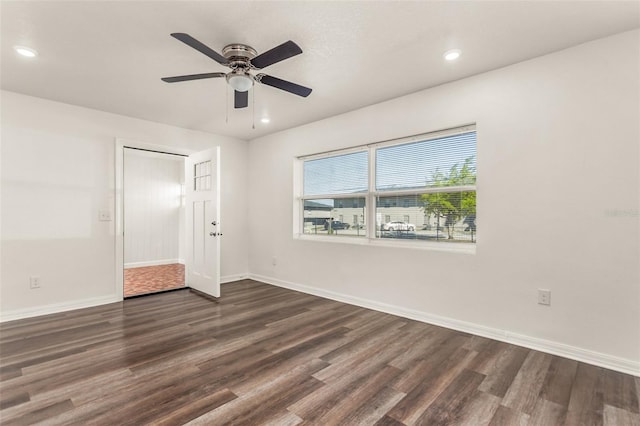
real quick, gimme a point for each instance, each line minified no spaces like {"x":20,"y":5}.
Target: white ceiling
{"x":110,"y":55}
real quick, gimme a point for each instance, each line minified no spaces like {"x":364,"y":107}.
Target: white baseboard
{"x":85,"y":303}
{"x":234,"y":277}
{"x":56,"y":308}
{"x":555,"y":348}
{"x":152,"y":263}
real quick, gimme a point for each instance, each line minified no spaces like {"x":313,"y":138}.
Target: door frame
{"x":120,"y":144}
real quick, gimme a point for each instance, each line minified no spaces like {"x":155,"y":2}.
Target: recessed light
{"x":265,"y":120}
{"x":26,"y":51}
{"x":452,"y":55}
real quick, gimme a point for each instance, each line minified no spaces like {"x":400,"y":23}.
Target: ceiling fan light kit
{"x":239,"y":81}
{"x":241,"y":59}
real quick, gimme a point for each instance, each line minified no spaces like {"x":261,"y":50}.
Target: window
{"x":434,"y":180}
{"x":322,"y":217}
{"x":328,"y":194}
{"x":420,"y":188}
{"x":202,"y":176}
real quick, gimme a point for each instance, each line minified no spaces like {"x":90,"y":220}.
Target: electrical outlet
{"x":274,"y":261}
{"x":34,"y":282}
{"x":544,"y":297}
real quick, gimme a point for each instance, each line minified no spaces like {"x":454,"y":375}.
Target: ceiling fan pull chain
{"x":253,"y":107}
{"x":226,"y":106}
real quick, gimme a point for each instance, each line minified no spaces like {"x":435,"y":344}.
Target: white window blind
{"x":340,"y":174}
{"x":430,"y":163}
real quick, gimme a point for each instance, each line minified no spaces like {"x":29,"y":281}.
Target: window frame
{"x":372,"y":195}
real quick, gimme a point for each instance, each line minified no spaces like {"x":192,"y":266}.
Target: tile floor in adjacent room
{"x":151,"y":279}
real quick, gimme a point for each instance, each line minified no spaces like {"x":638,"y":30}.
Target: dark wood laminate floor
{"x":266,"y":355}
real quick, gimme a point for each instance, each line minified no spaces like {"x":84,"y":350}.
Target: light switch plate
{"x":104,"y":215}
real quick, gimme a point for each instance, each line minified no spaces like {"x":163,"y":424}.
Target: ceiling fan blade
{"x":279,"y":53}
{"x":240,"y":99}
{"x":192,"y":77}
{"x":285,"y":85}
{"x":200,"y":47}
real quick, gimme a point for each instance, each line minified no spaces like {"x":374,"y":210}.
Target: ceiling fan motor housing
{"x":239,"y":55}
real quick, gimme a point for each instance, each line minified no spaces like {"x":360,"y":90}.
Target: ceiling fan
{"x":242,"y":59}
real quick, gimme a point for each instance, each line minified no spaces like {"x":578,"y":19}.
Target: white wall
{"x":558,"y":202}
{"x":57,"y":174}
{"x":153,"y":208}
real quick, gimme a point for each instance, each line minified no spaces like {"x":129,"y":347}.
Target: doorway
{"x":154,"y":222}
{"x":200,"y":220}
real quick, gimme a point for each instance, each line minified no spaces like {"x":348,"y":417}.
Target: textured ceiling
{"x":111,"y":55}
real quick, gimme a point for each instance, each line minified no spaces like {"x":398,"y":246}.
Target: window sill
{"x":462,"y":248}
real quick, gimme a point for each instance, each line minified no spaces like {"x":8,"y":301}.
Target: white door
{"x":203,"y":231}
